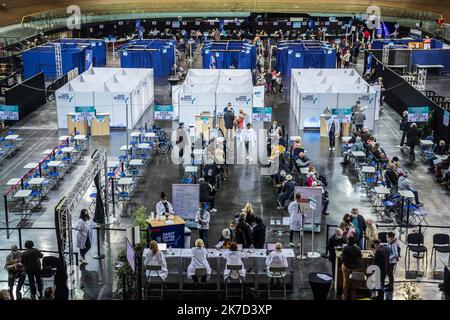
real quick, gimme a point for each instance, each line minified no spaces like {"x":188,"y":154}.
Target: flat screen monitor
{"x":175,"y":24}
{"x":296,"y":25}
{"x":162,"y":247}
{"x":270,"y":247}
{"x":131,"y":256}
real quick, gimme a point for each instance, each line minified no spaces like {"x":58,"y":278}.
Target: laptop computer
{"x":162,"y":247}
{"x":270,"y":247}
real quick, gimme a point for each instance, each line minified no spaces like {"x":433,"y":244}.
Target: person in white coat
{"x":155,"y":257}
{"x":332,"y":129}
{"x":276,"y":258}
{"x":181,"y":143}
{"x":164,"y":207}
{"x":199,"y":260}
{"x":249,"y":140}
{"x":296,"y":219}
{"x":234,"y":257}
{"x":84,"y":236}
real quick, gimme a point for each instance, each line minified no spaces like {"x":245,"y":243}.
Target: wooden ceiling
{"x":12,"y":11}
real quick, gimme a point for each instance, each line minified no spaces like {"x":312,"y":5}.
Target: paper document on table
{"x":169,"y":222}
{"x":324,"y":277}
{"x":286,"y":221}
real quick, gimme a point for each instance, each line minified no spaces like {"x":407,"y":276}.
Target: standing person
{"x":272,"y":135}
{"x":371,"y":233}
{"x":413,"y":139}
{"x":335,"y":241}
{"x":199,"y":260}
{"x":31,"y":261}
{"x":360,"y":227}
{"x":296,"y":219}
{"x":360,"y":118}
{"x":202,"y":219}
{"x":347,"y":226}
{"x":84,"y":235}
{"x":394,"y":257}
{"x":268,"y":79}
{"x":338,"y":58}
{"x":180,"y":138}
{"x":404,"y":127}
{"x":164,"y":208}
{"x":240,"y":121}
{"x":259,"y":234}
{"x":381,"y":259}
{"x":346,"y":58}
{"x":382,"y":91}
{"x":155,"y":257}
{"x":248,"y":137}
{"x":332,"y":128}
{"x":207,"y":193}
{"x":249,"y":214}
{"x":351,"y":261}
{"x":15,"y":270}
{"x":229,"y":120}
{"x":243,"y":232}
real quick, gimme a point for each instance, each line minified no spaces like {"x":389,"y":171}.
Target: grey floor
{"x":245,"y":184}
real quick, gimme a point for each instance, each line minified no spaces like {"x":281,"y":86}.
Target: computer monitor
{"x":219,"y":245}
{"x":131,"y":256}
{"x":162,"y":247}
{"x":239,"y":247}
{"x":270,"y":247}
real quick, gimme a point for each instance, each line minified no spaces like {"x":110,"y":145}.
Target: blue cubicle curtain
{"x":304,"y":54}
{"x":156,"y":54}
{"x":227,"y":54}
{"x":73,"y":55}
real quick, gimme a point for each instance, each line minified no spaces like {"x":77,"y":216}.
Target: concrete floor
{"x":39,"y":131}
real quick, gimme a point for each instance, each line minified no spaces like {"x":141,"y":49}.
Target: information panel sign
{"x":418,"y":114}
{"x":163,"y":112}
{"x":9,"y":112}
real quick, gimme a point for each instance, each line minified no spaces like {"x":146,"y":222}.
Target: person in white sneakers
{"x":296,"y":219}
{"x":332,"y":128}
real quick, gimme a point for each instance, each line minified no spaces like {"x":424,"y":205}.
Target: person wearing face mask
{"x":336,"y":240}
{"x":360,"y":227}
{"x":164,"y":208}
{"x":84,"y":235}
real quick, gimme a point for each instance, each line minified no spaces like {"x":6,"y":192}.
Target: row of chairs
{"x":9,"y":148}
{"x":277,"y":274}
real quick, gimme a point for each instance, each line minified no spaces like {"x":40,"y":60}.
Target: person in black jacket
{"x":243,"y":232}
{"x":31,"y":261}
{"x":259,"y":234}
{"x":391,"y":175}
{"x":404,"y":127}
{"x":286,"y":192}
{"x":360,"y":227}
{"x":207,"y":193}
{"x":228,"y":118}
{"x":351,"y":261}
{"x":381,"y":259}
{"x":413,"y":139}
{"x":336,"y":240}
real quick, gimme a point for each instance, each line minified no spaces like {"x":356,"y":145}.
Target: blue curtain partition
{"x":149,"y":53}
{"x":304,"y":54}
{"x":224,"y":54}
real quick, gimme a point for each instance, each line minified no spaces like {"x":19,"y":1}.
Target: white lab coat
{"x":250,"y":136}
{"x":199,"y":260}
{"x":158,"y":259}
{"x":84,"y":228}
{"x":160,"y":209}
{"x":296,"y":218}
{"x":336,"y":125}
{"x":276,"y":259}
{"x":234,"y":258}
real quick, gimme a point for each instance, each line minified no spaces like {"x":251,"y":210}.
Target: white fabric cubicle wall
{"x":211,"y":90}
{"x":312,"y":90}
{"x":109,"y":90}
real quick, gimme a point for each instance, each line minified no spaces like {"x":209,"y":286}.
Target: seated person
{"x":234,"y":257}
{"x":199,"y":260}
{"x":377,"y":152}
{"x":442,"y":167}
{"x":357,"y":146}
{"x":391,"y":176}
{"x":346,"y":146}
{"x":155,"y":257}
{"x":227,"y":238}
{"x":276,"y":258}
{"x":405,"y":184}
{"x":286,"y":191}
{"x":277,"y":151}
{"x":441,"y":149}
{"x":279,"y":179}
{"x":301,"y":162}
{"x":370,"y":141}
{"x":296,"y":147}
{"x":365,"y":135}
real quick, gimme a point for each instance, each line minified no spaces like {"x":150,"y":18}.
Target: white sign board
{"x":258,"y":96}
{"x":185,"y":200}
{"x":308,"y":193}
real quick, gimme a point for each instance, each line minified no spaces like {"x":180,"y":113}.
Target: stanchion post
{"x":112,"y":198}
{"x":19,"y":230}
{"x":99,"y":255}
{"x":5,"y":199}
{"x":147,"y":235}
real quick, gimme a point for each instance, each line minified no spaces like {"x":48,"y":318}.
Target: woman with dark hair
{"x":259,"y":234}
{"x":84,"y":235}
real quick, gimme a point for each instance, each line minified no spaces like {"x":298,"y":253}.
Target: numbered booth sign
{"x":343,"y":115}
{"x":85,"y":113}
{"x":163,"y":112}
{"x":9,"y":112}
{"x":418,"y":114}
{"x":262,"y":114}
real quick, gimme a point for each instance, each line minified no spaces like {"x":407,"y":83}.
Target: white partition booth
{"x":313,"y":90}
{"x":211,"y":90}
{"x":121,"y":92}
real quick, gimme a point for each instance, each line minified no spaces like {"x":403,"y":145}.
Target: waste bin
{"x":320,"y":284}
{"x":187,"y":237}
